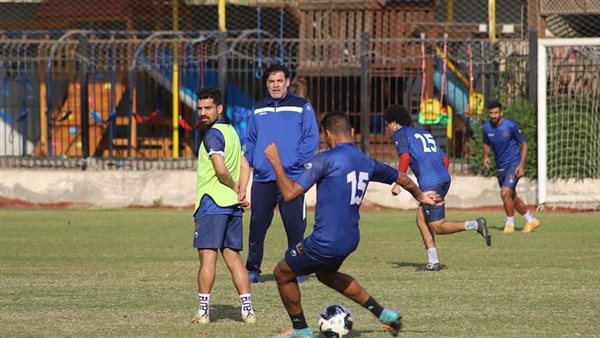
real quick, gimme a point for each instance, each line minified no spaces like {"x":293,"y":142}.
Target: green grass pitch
{"x":99,"y":273}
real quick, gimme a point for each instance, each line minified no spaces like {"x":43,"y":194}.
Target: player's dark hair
{"x":397,"y":113}
{"x":274,"y":68}
{"x":215,"y":95}
{"x":210,"y":93}
{"x":494,"y":104}
{"x":336,"y":122}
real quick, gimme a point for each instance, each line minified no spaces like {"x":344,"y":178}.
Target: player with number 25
{"x":417,"y":148}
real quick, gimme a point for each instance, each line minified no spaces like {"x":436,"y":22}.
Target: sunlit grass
{"x":132,"y":273}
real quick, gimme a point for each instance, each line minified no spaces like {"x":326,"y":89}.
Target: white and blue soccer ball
{"x":335,"y":321}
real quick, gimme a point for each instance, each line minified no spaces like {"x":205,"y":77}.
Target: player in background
{"x":417,"y":149}
{"x":342,"y":175}
{"x":223,"y":175}
{"x":510,"y":151}
{"x":290,"y":122}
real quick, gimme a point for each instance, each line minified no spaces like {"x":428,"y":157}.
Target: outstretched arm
{"x":403,"y":164}
{"x":289,"y":189}
{"x":427,"y":197}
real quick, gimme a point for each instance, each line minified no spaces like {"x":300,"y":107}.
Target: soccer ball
{"x":335,"y":321}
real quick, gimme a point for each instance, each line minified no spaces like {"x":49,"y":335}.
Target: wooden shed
{"x":331,"y":33}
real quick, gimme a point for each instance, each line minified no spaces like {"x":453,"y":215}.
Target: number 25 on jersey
{"x":428,"y":142}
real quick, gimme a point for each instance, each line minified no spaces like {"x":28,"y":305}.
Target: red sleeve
{"x":446,"y":161}
{"x":403,"y":162}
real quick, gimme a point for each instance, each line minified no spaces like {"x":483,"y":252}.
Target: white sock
{"x":246,"y":302}
{"x":471,"y":225}
{"x":529,"y":217}
{"x":510,"y":220}
{"x":203,"y":303}
{"x":432,"y":255}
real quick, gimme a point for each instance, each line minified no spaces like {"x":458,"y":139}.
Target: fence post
{"x":23,"y":113}
{"x":532,"y":29}
{"x":83,"y":85}
{"x":492,"y":68}
{"x":364,"y":92}
{"x":223,"y":64}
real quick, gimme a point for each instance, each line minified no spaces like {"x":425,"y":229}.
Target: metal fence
{"x":110,"y":95}
{"x":276,"y":16}
{"x":510,"y":18}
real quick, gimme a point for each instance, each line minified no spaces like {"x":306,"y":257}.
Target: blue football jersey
{"x":342,"y":175}
{"x":426,"y":158}
{"x":505,"y":140}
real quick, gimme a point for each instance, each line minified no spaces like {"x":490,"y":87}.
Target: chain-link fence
{"x":127,"y":84}
{"x":288,"y":18}
{"x":105,"y":87}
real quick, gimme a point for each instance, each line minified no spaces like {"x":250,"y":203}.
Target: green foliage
{"x":132,"y":273}
{"x":524,"y":113}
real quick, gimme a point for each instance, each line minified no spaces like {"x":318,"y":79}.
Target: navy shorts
{"x":304,"y":261}
{"x":218,"y":231}
{"x":436,"y":212}
{"x":507,"y":178}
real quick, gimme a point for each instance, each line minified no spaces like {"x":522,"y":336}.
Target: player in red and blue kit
{"x":510,"y":152}
{"x":417,"y":149}
{"x":342,"y":175}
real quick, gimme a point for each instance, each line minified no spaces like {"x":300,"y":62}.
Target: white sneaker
{"x":249,"y":317}
{"x":201,"y":318}
{"x":509,"y":229}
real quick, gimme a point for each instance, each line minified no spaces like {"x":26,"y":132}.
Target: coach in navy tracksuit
{"x":290,"y":122}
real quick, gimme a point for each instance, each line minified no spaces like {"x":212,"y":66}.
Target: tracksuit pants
{"x":264,"y":196}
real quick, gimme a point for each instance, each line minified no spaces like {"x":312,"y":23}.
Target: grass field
{"x":130,"y":273}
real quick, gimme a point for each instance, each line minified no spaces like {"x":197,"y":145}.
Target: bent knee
{"x":436,"y":226}
{"x":283,"y":274}
{"x":322,"y":277}
{"x":325,"y":278}
{"x":277,"y":272}
{"x":506,"y":192}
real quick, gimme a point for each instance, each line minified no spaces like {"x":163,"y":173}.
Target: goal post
{"x":568,"y":119}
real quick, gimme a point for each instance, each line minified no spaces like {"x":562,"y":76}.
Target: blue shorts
{"x":218,"y":231}
{"x":507,"y":178}
{"x":437,"y":212}
{"x":304,"y":261}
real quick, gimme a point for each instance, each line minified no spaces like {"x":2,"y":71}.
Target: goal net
{"x":569,"y":122}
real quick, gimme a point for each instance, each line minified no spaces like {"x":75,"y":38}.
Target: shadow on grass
{"x":267,"y":277}
{"x":271,"y":278}
{"x":370,"y":333}
{"x":417,"y":266}
{"x":501,"y":228}
{"x":358,"y":333}
{"x":220,"y":312}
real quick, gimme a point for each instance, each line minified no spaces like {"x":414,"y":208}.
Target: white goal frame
{"x":542,"y":92}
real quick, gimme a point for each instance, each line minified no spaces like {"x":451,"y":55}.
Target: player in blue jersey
{"x":510,"y":152}
{"x":223,"y":174}
{"x":290,"y":122}
{"x":342,"y":175}
{"x":417,"y":149}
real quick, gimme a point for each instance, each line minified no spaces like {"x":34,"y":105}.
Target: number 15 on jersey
{"x":358,"y":182}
